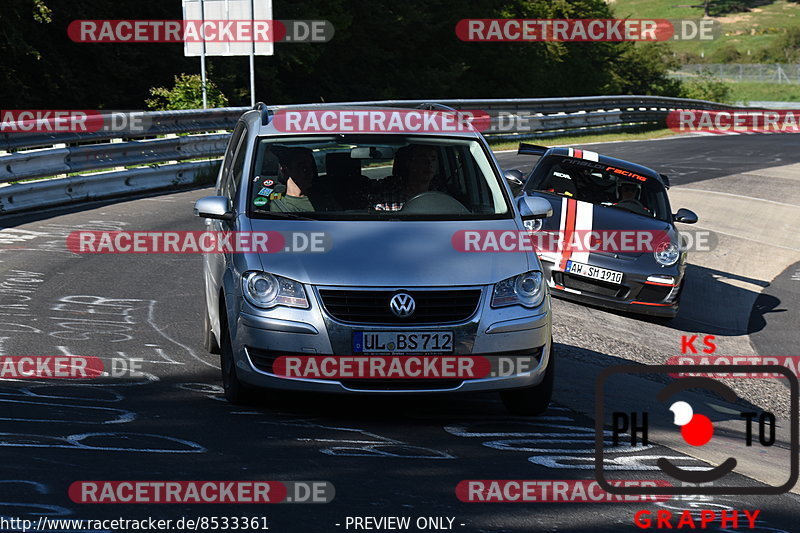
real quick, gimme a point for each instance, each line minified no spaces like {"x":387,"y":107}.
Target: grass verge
{"x":588,"y":139}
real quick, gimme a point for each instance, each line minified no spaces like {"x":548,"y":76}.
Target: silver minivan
{"x":387,"y":208}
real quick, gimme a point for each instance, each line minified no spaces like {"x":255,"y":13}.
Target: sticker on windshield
{"x":275,"y":196}
{"x":269,"y":183}
{"x":260,"y":201}
{"x":265,"y":191}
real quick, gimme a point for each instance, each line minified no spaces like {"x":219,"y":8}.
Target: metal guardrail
{"x":41,"y":163}
{"x":57,"y":154}
{"x":158,"y":123}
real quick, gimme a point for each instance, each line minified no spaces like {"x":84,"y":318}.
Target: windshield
{"x":374,"y":176}
{"x":601,"y":184}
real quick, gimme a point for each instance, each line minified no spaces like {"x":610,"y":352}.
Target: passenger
{"x":297,"y":170}
{"x":587,"y":187}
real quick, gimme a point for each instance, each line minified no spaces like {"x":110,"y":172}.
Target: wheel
{"x":209,"y":339}
{"x":532,"y":401}
{"x":236,"y":392}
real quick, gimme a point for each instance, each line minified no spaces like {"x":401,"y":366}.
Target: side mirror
{"x":213,"y":207}
{"x":534,"y":207}
{"x":686,"y":216}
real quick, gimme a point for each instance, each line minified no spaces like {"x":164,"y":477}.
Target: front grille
{"x":401,"y":384}
{"x":653,"y":293}
{"x":372,"y":306}
{"x":591,"y":286}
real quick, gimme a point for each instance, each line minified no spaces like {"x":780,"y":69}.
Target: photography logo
{"x":748,"y":434}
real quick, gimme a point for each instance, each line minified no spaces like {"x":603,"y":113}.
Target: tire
{"x":209,"y":339}
{"x":236,"y":392}
{"x":532,"y":401}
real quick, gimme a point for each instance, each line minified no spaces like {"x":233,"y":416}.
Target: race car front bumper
{"x":643,"y":292}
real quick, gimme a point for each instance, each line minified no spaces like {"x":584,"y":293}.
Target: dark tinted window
{"x":601,"y":184}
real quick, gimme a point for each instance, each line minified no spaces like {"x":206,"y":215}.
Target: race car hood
{"x":586,"y":216}
{"x":393,"y":253}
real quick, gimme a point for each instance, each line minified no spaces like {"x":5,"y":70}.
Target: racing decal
{"x":569,"y":213}
{"x":626,"y":173}
{"x":583,"y":154}
{"x":265,"y":191}
{"x":583,"y":225}
{"x":575,"y":216}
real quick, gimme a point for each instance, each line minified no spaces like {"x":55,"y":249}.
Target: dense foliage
{"x":381,"y":49}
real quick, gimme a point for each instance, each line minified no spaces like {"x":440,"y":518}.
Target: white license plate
{"x":589,"y":271}
{"x":392,"y":342}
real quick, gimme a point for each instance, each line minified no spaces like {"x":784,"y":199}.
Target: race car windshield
{"x":354,"y":177}
{"x":597,"y":183}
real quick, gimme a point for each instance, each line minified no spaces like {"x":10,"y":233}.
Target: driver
{"x":415,"y":170}
{"x":627,"y":190}
{"x":422,"y":167}
{"x":629,"y":196}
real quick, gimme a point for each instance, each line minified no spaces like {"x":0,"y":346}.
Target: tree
{"x":186,"y":93}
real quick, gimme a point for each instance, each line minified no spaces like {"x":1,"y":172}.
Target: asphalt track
{"x":385,"y":456}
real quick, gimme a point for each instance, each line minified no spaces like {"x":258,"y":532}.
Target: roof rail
{"x":433,"y":106}
{"x":266,"y":113}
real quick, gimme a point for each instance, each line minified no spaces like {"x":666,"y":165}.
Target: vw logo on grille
{"x":402,"y":305}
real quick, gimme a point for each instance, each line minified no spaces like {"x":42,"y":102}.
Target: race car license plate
{"x":589,"y":271}
{"x":398,"y":342}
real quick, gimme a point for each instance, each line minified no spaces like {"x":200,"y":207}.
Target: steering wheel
{"x":434,"y":202}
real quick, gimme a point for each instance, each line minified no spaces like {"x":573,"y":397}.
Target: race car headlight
{"x":526,"y":289}
{"x":266,"y":290}
{"x":667,"y":254}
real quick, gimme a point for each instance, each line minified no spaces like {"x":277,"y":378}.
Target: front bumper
{"x":261,"y":335}
{"x":640,"y":291}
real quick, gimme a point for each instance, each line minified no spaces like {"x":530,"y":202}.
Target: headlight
{"x":265,"y":290}
{"x":667,"y":254}
{"x":533,"y":224}
{"x":526,"y":289}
